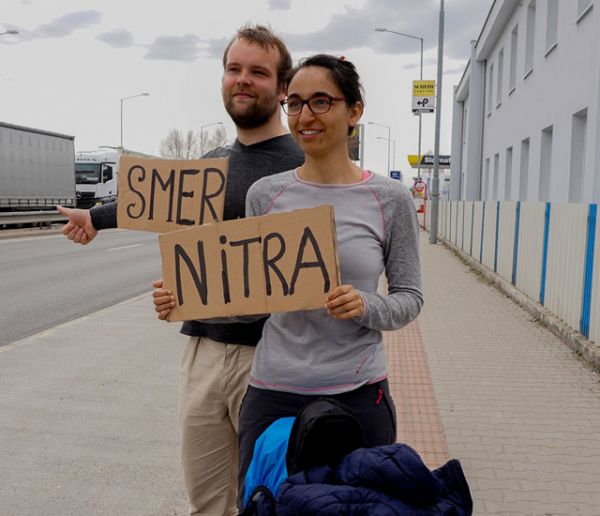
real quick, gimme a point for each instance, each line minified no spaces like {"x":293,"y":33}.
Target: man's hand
{"x":79,"y":228}
{"x":344,"y":302}
{"x":163,"y":299}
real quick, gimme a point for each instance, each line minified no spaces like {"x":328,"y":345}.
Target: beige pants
{"x":214,"y":381}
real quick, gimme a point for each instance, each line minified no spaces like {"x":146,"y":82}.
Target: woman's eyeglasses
{"x":318,"y":104}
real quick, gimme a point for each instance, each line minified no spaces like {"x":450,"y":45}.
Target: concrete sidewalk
{"x":88,"y":417}
{"x":88,"y":410}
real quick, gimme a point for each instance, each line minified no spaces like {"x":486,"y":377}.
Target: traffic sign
{"x":419,"y":185}
{"x":423,"y":100}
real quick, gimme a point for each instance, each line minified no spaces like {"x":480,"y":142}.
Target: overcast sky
{"x":73,"y":61}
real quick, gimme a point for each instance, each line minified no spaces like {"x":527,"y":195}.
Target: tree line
{"x":192,"y":144}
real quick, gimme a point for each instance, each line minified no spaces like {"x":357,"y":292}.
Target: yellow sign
{"x":427,"y":161}
{"x":423,"y":88}
{"x":423,"y":100}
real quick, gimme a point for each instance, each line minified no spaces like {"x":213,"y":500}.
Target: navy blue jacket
{"x":381,"y":481}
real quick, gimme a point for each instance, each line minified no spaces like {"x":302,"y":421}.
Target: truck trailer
{"x":37,"y":169}
{"x":96,"y":174}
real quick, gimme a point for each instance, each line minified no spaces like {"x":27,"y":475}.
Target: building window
{"x":530,"y":37}
{"x":514,"y":40}
{"x":496,"y":174}
{"x":545,"y":164}
{"x":551,"y":26}
{"x":583,"y":7}
{"x":508,"y":174}
{"x":524,"y":172}
{"x":490,"y":89}
{"x":578,"y":137}
{"x":499,"y":73}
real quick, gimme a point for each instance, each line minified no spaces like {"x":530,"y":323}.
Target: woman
{"x":336,"y":351}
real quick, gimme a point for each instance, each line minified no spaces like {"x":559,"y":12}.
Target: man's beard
{"x":254,"y":115}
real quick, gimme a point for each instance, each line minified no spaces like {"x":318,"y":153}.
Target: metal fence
{"x":549,"y":251}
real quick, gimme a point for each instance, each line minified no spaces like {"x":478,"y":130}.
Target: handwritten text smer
{"x":165,"y":195}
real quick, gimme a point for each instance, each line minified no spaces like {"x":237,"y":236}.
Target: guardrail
{"x":30,"y":217}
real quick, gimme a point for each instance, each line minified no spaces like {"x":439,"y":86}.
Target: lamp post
{"x":202,"y":135}
{"x":9,"y":32}
{"x":435,"y":183}
{"x":383,"y":29}
{"x":394,"y":151}
{"x":127,"y":98}
{"x":389,"y":138}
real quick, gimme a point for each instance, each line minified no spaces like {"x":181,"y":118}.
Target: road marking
{"x":124,"y":247}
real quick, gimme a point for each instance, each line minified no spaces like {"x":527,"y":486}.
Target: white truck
{"x":97,"y":173}
{"x":36,"y":169}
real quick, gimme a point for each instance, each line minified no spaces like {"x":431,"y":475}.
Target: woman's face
{"x":319,"y":134}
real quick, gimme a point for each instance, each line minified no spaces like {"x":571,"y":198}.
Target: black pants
{"x":372,"y":404}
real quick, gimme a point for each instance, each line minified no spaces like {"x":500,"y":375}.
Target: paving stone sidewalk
{"x":518,"y":408}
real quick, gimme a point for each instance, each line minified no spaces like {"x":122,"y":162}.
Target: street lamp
{"x":435,"y":183}
{"x":394,"y":151}
{"x":9,"y":32}
{"x":389,"y":138}
{"x":127,"y":98}
{"x":202,"y":135}
{"x":383,"y":29}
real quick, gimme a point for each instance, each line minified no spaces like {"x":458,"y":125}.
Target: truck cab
{"x":96,"y":175}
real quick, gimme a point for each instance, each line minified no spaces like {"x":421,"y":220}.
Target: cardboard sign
{"x":258,"y":265}
{"x":163,"y":195}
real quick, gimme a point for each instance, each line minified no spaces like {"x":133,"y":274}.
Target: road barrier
{"x":30,"y":217}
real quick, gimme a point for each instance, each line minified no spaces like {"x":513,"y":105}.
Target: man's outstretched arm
{"x":83,"y":225}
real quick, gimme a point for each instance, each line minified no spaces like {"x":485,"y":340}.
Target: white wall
{"x":563,"y":81}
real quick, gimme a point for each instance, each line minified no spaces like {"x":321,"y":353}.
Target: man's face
{"x":249,"y":85}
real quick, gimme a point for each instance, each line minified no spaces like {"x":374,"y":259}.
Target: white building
{"x":526,"y":118}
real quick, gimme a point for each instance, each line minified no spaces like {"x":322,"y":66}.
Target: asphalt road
{"x":48,"y":280}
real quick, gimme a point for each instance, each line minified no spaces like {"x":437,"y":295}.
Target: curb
{"x":584,"y":348}
{"x":91,"y":315}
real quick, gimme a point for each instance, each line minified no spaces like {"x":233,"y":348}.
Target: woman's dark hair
{"x":342,"y":72}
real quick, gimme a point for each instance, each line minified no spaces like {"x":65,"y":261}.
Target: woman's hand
{"x":344,"y":302}
{"x":163,"y":299}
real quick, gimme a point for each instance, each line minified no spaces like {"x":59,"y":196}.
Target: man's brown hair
{"x":266,"y":39}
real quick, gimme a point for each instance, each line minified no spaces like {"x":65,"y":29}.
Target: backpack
{"x":323,"y":433}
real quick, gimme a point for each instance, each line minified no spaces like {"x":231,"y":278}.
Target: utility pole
{"x":127,"y":98}
{"x":435,"y":184}
{"x":420,"y":39}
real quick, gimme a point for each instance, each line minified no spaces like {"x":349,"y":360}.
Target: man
{"x":218,"y":357}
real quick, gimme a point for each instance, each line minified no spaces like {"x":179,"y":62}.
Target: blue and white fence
{"x":549,"y":251}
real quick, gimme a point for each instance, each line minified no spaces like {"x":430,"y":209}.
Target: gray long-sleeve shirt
{"x":309,"y":351}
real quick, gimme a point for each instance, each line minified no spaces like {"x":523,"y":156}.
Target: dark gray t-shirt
{"x":247,"y":164}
